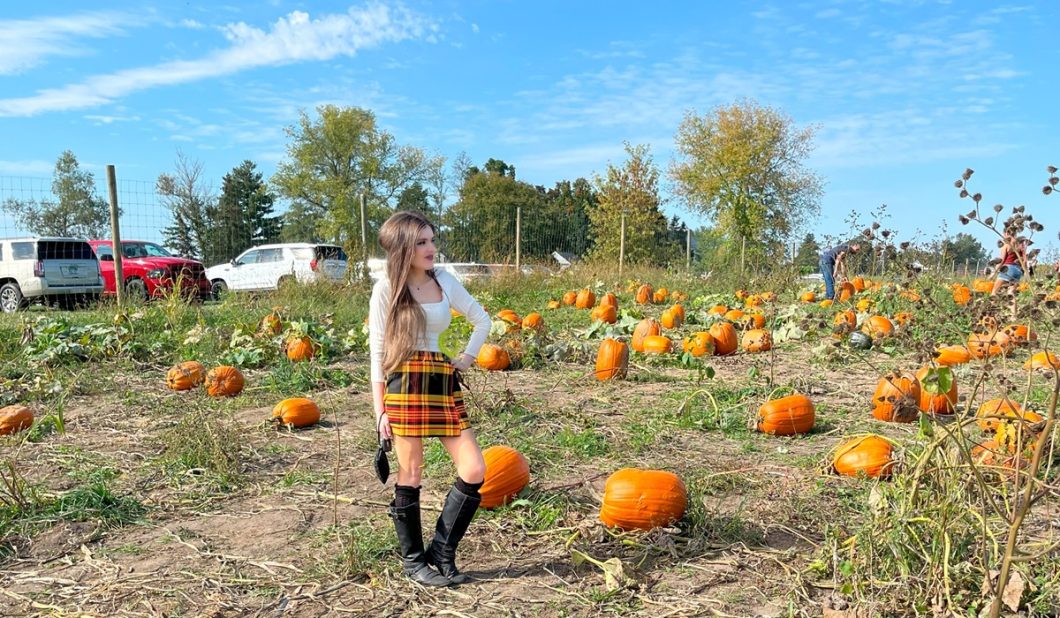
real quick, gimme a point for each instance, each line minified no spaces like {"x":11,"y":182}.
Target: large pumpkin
{"x":660,"y":296}
{"x":982,"y":345}
{"x":846,"y":291}
{"x":15,"y":418}
{"x":657,"y":344}
{"x":807,"y":297}
{"x":983,"y":286}
{"x":185,"y":376}
{"x":897,"y":398}
{"x":734,"y":315}
{"x":718,"y":310}
{"x":507,"y":473}
{"x":757,"y":340}
{"x":725,"y":341}
{"x":645,"y":328}
{"x":643,"y":499}
{"x":1020,"y":334}
{"x":1005,"y":408}
{"x":296,"y":412}
{"x":271,"y":324}
{"x":609,"y":299}
{"x":585,"y":299}
{"x":612,"y":359}
{"x":679,"y":311}
{"x":569,"y":298}
{"x":1043,"y":360}
{"x":786,"y":416}
{"x":699,"y":344}
{"x":300,"y":349}
{"x":942,"y":403}
{"x":604,"y":313}
{"x":645,"y":295}
{"x":753,"y":320}
{"x":961,"y":294}
{"x":878,"y":327}
{"x":858,"y":283}
{"x":845,"y":321}
{"x":509,"y":316}
{"x":224,"y":381}
{"x":870,"y":455}
{"x":669,"y":320}
{"x":493,"y":357}
{"x":951,"y":355}
{"x":533,"y":321}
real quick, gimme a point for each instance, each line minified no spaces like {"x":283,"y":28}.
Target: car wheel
{"x":217,"y":288}
{"x":11,"y":299}
{"x":136,"y":290}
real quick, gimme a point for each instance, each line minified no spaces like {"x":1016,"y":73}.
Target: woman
{"x":415,"y":393}
{"x":1013,"y":261}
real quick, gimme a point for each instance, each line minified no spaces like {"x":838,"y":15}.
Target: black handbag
{"x":382,"y":464}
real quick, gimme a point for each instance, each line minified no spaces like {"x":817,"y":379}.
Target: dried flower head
{"x":998,"y":207}
{"x":1047,"y":189}
{"x":1051,"y":169}
{"x":964,"y":192}
{"x":967,"y":173}
{"x":958,"y":183}
{"x":977,"y":197}
{"x":963,"y":219}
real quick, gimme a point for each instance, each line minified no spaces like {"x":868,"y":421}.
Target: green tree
{"x":631,"y":189}
{"x":480,"y":226}
{"x":77,"y":211}
{"x":334,"y":159}
{"x":568,"y":207}
{"x":963,"y":248}
{"x":414,"y":197}
{"x":808,"y":254}
{"x":742,"y":166}
{"x":187,"y":199}
{"x":242,"y":216}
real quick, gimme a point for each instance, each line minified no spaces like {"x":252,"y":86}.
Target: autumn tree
{"x":631,"y":189}
{"x":334,"y":159}
{"x":742,"y":166}
{"x":185,"y":195}
{"x":76,"y":211}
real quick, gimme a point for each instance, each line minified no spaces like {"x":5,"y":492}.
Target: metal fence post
{"x":115,"y":235}
{"x":622,"y":246}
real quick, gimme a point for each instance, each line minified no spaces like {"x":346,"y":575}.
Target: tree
{"x":480,"y":226}
{"x":742,"y":167}
{"x":334,"y":159}
{"x":414,"y":197}
{"x":963,"y":248}
{"x":568,"y":207}
{"x":185,"y":196}
{"x":78,"y":211}
{"x":808,"y":254}
{"x":631,"y":189}
{"x":242,"y":216}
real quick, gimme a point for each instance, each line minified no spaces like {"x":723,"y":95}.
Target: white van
{"x":266,"y":267}
{"x":48,"y":270}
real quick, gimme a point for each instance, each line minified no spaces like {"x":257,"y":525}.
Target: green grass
{"x":202,"y":444}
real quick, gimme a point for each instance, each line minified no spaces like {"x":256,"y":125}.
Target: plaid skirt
{"x":423,"y":397}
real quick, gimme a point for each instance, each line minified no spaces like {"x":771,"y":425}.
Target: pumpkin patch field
{"x":657,"y":444}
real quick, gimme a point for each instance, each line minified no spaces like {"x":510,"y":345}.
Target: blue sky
{"x":904,"y":95}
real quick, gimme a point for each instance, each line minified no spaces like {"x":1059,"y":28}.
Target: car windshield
{"x":143,"y":249}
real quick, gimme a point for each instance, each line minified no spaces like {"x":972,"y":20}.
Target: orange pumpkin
{"x":493,"y":357}
{"x":585,"y":299}
{"x":185,"y":376}
{"x":982,"y":345}
{"x":826,"y":303}
{"x":699,"y":344}
{"x":507,"y":473}
{"x":858,"y":283}
{"x":553,"y":304}
{"x":870,"y":455}
{"x":609,"y":299}
{"x":678,"y":296}
{"x":1004,"y":408}
{"x":612,"y":360}
{"x":604,"y":313}
{"x":569,"y":298}
{"x":300,"y":349}
{"x":724,"y":335}
{"x":768,"y":296}
{"x":271,"y":325}
{"x":846,"y":291}
{"x":961,"y":294}
{"x":659,"y":296}
{"x":753,"y":320}
{"x":983,"y":286}
{"x":897,"y":398}
{"x":717,"y":310}
{"x":951,"y":355}
{"x":878,"y":327}
{"x":808,"y":297}
{"x":669,"y":320}
{"x":643,"y":499}
{"x":865,"y":304}
{"x":1020,"y":334}
{"x":15,"y":418}
{"x":296,"y":412}
{"x":786,"y":416}
{"x":734,"y":315}
{"x":942,"y":403}
{"x":679,"y":311}
{"x":845,"y":321}
{"x":224,"y":381}
{"x":757,"y":340}
{"x":657,"y":344}
{"x":509,"y":316}
{"x":645,"y":328}
{"x":664,"y":292}
{"x":1043,"y":360}
{"x":645,"y":295}
{"x":533,"y":321}
{"x":903,"y":318}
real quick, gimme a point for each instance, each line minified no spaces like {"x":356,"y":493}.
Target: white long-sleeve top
{"x":438,"y":318}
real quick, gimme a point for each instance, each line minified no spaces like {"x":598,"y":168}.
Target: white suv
{"x":60,"y":270}
{"x":268,"y":266}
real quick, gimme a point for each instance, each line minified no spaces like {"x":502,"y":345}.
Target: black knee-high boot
{"x":459,"y":509}
{"x":410,"y":539}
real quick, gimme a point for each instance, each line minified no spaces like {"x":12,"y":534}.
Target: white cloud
{"x":293,"y":38}
{"x":99,"y":119}
{"x":26,"y":43}
{"x":474,"y":28}
{"x":27,"y":168}
{"x":192,"y":24}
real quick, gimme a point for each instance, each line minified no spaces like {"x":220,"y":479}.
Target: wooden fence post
{"x":115,"y":236}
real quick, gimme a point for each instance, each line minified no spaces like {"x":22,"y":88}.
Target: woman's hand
{"x":462,"y":362}
{"x":382,"y":426}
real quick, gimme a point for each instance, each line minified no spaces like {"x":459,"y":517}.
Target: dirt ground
{"x":263,"y":547}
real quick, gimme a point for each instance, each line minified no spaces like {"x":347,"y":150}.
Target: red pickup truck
{"x":149,"y":270}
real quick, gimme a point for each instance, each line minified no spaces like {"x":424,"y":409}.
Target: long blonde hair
{"x":405,"y":320}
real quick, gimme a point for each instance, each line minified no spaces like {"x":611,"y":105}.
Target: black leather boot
{"x":410,"y":539}
{"x":452,"y":524}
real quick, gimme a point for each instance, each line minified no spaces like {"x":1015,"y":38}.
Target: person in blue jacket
{"x":833,"y":265}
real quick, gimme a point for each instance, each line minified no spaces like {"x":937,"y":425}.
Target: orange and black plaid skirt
{"x":423,"y":397}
